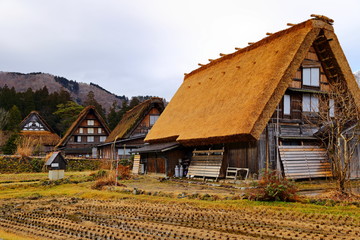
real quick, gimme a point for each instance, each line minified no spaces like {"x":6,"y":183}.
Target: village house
{"x":86,"y":132}
{"x":130,"y":132}
{"x":35,"y":129}
{"x":248,"y":110}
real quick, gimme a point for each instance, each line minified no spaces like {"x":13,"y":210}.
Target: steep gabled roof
{"x":35,"y":114}
{"x":133,"y":117}
{"x":232,"y":98}
{"x":75,"y":124}
{"x":44,"y":137}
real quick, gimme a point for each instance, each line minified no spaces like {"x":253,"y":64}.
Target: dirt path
{"x":70,"y":218}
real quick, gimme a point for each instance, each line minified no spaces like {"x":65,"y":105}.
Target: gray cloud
{"x":144,"y":47}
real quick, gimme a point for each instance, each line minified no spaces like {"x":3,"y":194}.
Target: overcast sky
{"x":144,"y":47}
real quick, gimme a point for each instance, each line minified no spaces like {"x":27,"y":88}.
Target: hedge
{"x":14,"y":164}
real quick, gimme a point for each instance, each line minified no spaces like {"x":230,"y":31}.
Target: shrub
{"x":10,"y":145}
{"x":271,"y":187}
{"x":124,"y":172}
{"x":106,"y":180}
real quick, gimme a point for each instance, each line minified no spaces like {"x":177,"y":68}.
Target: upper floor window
{"x":102,"y":138}
{"x":311,"y":77}
{"x":99,"y":130}
{"x":287,"y":103}
{"x":81,"y":130}
{"x":90,"y":130}
{"x":153,"y":119}
{"x":77,"y":138}
{"x":310,"y":103}
{"x":90,"y":122}
{"x":90,"y":138}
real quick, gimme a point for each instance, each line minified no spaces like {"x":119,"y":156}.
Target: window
{"x":102,"y":138}
{"x":81,"y":130}
{"x":311,"y":77}
{"x":99,"y":130}
{"x":153,"y":119}
{"x":331,"y":108}
{"x":287,"y":110}
{"x":310,"y":103}
{"x":77,"y":138}
{"x":90,"y":138}
{"x":90,"y":130}
{"x":90,"y":122}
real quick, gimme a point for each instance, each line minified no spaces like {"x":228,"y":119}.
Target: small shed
{"x":56,"y":164}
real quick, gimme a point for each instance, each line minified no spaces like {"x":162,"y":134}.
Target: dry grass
{"x":26,"y":146}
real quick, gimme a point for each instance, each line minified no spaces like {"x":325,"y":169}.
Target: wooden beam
{"x":268,"y":34}
{"x":222,"y":54}
{"x":201,"y":64}
{"x":210,"y":60}
{"x":238,"y":48}
{"x":250,"y":43}
{"x":290,"y":24}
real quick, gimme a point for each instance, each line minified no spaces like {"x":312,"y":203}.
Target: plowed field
{"x":71,"y":218}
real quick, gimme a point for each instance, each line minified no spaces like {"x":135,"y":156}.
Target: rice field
{"x":131,"y":218}
{"x":31,"y":210}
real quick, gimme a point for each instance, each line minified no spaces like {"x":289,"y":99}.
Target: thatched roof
{"x":39,"y":118}
{"x":75,"y":124}
{"x":133,"y":117}
{"x":42,"y":137}
{"x":232,"y":98}
{"x":46,"y":137}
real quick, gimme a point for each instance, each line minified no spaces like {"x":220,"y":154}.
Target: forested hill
{"x":78,"y":91}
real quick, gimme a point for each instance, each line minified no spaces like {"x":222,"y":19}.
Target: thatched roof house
{"x":133,"y":127}
{"x":35,"y":128}
{"x":87,"y":131}
{"x":242,"y":109}
{"x":233,"y":98}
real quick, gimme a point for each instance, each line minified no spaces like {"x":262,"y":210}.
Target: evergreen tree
{"x":4,"y":117}
{"x":113,"y":117}
{"x":14,"y":119}
{"x":11,"y":144}
{"x":134,"y":102}
{"x":68,"y":113}
{"x":91,"y":101}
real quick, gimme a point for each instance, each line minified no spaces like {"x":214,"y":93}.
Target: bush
{"x":106,"y":180}
{"x":271,"y":187}
{"x":124,"y":172}
{"x":10,"y":145}
{"x":18,"y":165}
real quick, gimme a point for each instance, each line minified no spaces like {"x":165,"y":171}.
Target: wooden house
{"x":36,"y":129}
{"x":130,"y":132}
{"x":246,"y":110}
{"x":88,"y":131}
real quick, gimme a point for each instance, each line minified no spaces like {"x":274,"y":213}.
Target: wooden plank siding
{"x":242,"y":155}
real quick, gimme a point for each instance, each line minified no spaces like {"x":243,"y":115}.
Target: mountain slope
{"x":78,"y":91}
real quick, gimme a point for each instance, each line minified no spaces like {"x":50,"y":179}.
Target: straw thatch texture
{"x":133,"y":117}
{"x":42,"y":137}
{"x":75,"y":124}
{"x":232,"y":99}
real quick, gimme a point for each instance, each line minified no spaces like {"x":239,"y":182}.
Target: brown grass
{"x":26,"y":146}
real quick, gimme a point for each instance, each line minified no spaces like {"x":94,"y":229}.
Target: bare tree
{"x":338,"y":117}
